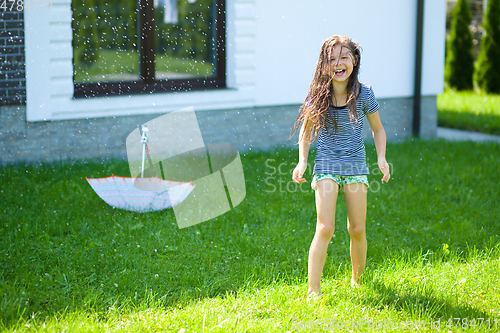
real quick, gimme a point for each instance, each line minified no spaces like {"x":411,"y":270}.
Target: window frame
{"x":147,"y":83}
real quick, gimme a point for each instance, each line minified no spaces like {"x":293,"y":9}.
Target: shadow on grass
{"x":414,"y":304}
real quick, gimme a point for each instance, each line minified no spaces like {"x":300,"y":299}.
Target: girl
{"x":333,"y":113}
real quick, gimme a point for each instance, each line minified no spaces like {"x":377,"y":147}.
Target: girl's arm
{"x":380,"y":141}
{"x":304,"y":145}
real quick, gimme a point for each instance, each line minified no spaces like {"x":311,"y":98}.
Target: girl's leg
{"x":326,"y":199}
{"x":355,"y":199}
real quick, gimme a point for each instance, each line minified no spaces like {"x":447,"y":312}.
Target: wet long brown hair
{"x":318,"y":100}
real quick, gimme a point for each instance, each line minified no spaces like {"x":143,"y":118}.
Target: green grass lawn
{"x":72,"y":263}
{"x":469,"y":111}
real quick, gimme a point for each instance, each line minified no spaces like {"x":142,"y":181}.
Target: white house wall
{"x":290,"y":35}
{"x":272,"y":49}
{"x":434,"y":47}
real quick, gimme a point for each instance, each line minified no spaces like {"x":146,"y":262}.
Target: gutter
{"x":417,"y":95}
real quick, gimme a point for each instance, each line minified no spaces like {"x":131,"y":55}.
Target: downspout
{"x":418,"y":69}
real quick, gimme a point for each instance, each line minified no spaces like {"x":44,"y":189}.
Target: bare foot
{"x":314,"y":295}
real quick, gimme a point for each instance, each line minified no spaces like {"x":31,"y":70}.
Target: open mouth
{"x":339,"y":72}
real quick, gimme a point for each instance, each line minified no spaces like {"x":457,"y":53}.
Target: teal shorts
{"x":341,"y":180}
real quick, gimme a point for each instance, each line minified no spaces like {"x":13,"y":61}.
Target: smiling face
{"x":342,"y":63}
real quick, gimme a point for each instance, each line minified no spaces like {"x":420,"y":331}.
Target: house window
{"x":145,"y":46}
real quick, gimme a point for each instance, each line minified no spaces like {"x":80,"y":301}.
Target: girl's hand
{"x":298,"y":172}
{"x":384,"y":167}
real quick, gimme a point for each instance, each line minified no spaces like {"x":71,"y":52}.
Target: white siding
{"x":272,"y":49}
{"x":434,"y":47}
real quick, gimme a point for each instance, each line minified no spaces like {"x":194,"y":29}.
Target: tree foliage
{"x":459,"y":65}
{"x":487,"y":73}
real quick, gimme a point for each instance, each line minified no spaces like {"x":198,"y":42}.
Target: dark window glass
{"x":131,"y":46}
{"x":184,"y":39}
{"x":105,"y":41}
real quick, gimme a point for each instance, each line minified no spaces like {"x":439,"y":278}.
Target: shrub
{"x":459,"y":66}
{"x":487,"y":73}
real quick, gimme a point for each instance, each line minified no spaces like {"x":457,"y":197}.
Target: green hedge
{"x":488,"y":67}
{"x":459,"y":65}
